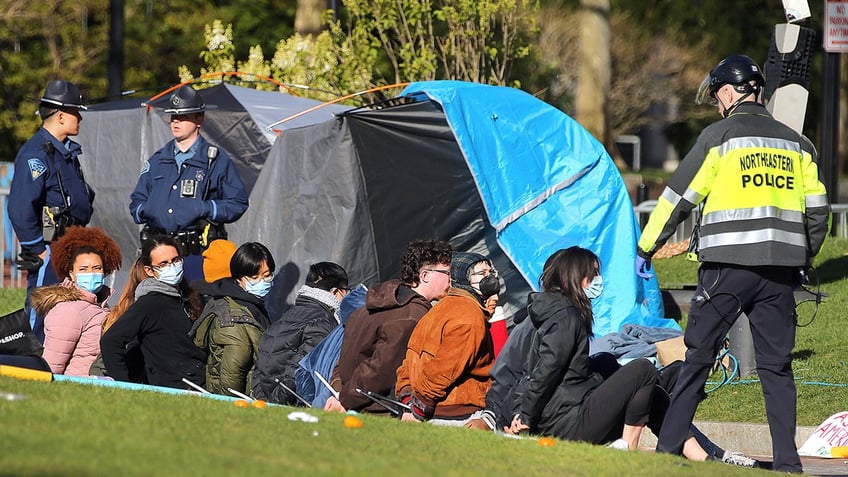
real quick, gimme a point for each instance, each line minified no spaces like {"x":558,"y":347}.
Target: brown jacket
{"x":449,"y":357}
{"x":374,"y":344}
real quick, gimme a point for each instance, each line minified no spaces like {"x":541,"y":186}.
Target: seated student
{"x":315,"y":313}
{"x":135,"y":361}
{"x":324,"y":356}
{"x":445,"y":375}
{"x":160,"y":320}
{"x":234,"y":319}
{"x":74,"y":310}
{"x":560,"y":393}
{"x":376,"y":335}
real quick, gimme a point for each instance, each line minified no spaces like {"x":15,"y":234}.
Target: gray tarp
{"x":118,"y":137}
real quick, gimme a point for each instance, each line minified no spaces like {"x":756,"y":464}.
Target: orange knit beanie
{"x":216,"y":260}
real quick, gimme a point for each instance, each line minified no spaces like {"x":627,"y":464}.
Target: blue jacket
{"x":161,"y":200}
{"x":36,"y":184}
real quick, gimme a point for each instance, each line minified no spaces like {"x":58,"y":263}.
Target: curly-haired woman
{"x":74,"y":310}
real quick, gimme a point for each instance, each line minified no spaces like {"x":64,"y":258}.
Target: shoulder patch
{"x":145,"y":168}
{"x":36,"y":167}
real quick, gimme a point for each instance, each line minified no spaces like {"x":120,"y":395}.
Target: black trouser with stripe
{"x":765,"y":295}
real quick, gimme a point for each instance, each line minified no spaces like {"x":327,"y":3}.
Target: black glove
{"x":29,"y":261}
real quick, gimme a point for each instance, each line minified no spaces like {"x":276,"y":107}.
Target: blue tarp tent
{"x":490,"y":169}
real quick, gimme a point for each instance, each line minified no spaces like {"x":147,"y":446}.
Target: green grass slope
{"x":67,"y":429}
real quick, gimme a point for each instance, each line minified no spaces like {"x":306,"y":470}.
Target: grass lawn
{"x":11,"y":299}
{"x":819,"y":357}
{"x":74,"y":430}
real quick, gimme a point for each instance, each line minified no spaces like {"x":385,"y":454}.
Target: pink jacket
{"x":73,"y":321}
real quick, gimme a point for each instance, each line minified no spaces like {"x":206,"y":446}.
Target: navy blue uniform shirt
{"x":36,"y":184}
{"x":171,"y":198}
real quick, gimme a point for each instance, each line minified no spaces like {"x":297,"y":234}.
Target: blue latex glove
{"x":643,"y":267}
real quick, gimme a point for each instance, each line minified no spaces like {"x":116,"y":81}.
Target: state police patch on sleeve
{"x":145,"y":168}
{"x":36,"y":167}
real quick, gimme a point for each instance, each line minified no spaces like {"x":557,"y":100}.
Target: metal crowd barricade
{"x":10,"y":274}
{"x":839,"y":227}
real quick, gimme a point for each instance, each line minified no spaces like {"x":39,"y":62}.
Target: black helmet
{"x":736,"y":70}
{"x":185,"y":100}
{"x":62,"y":94}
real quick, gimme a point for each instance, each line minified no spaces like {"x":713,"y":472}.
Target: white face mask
{"x":595,"y":288}
{"x":171,"y":274}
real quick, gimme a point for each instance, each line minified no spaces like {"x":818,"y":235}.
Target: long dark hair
{"x":564,"y":273}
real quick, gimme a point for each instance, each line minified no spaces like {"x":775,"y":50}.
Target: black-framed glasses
{"x":162,"y":265}
{"x":443,"y":272}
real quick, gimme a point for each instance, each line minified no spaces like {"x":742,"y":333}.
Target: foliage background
{"x":660,"y":50}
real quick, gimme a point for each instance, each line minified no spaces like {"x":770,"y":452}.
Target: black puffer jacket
{"x":286,"y":342}
{"x":558,"y":376}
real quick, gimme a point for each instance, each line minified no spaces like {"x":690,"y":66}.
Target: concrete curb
{"x":750,"y":439}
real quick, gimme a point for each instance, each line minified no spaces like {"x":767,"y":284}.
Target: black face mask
{"x":489,"y":286}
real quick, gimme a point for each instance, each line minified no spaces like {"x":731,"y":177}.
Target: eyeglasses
{"x":443,"y":272}
{"x":162,"y":265}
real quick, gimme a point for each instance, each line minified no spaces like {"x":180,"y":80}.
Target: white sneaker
{"x":619,"y":444}
{"x":738,"y":458}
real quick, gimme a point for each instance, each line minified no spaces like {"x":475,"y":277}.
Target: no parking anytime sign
{"x":836,"y":26}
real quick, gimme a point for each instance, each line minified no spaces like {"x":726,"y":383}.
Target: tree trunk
{"x":594,"y":68}
{"x":307,"y":19}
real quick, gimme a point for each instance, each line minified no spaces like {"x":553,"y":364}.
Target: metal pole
{"x":116,"y":49}
{"x":829,"y":157}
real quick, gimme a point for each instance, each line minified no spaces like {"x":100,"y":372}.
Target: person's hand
{"x":516,"y":427}
{"x":643,"y":267}
{"x":491,"y":304}
{"x":333,"y":404}
{"x":30,"y":261}
{"x":408,"y":417}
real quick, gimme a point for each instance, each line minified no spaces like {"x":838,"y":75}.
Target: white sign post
{"x":836,"y":26}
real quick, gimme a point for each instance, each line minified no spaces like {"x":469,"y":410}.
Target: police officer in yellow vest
{"x":764,"y":217}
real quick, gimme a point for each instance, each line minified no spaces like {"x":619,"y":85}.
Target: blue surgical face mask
{"x":171,"y":274}
{"x":90,"y":282}
{"x":258,"y":288}
{"x":595,"y":288}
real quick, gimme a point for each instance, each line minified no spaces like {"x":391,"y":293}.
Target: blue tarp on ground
{"x":547,"y":184}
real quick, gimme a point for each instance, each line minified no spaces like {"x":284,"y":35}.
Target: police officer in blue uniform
{"x":188,"y":189}
{"x":49,"y":192}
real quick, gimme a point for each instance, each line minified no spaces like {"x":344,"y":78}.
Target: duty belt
{"x":191,"y":242}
